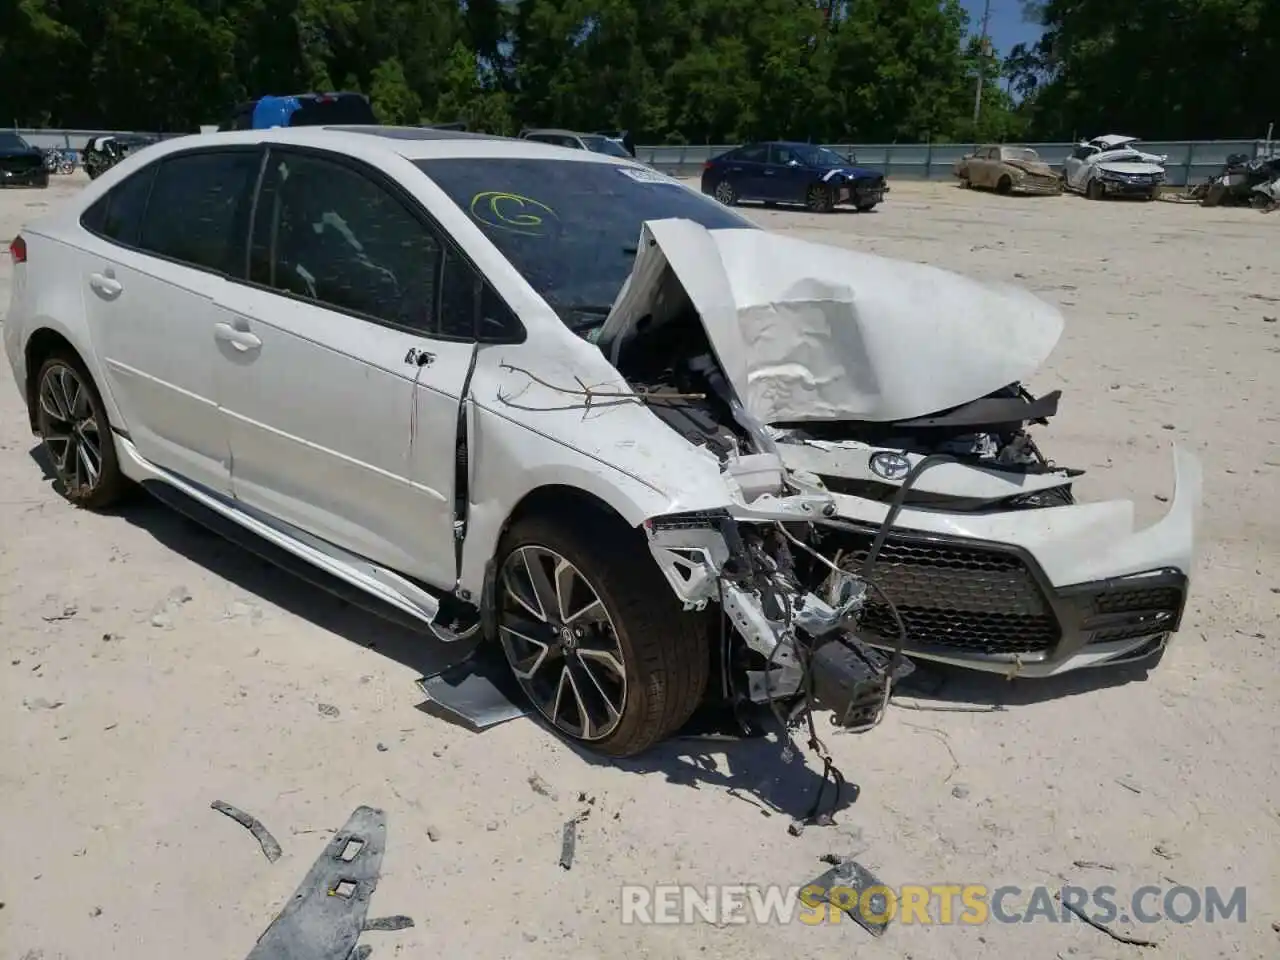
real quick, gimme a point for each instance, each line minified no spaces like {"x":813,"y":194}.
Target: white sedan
{"x":565,"y":404}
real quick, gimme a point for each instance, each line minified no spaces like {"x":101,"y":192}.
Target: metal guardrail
{"x":1188,"y":161}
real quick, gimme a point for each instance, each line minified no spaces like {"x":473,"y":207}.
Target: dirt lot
{"x":149,"y":669}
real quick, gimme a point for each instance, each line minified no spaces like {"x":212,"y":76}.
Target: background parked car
{"x":786,"y":172}
{"x":595,"y":142}
{"x":20,"y":162}
{"x":1113,"y":166}
{"x":1007,"y":169}
{"x":102,"y":153}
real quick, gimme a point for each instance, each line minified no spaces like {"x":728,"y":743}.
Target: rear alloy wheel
{"x":596,"y":638}
{"x":725,"y":193}
{"x":818,"y":198}
{"x":72,"y":423}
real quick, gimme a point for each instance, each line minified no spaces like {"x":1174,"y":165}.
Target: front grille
{"x":968,"y":598}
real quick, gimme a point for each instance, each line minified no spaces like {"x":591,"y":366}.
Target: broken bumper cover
{"x":1031,"y":593}
{"x":863,"y":192}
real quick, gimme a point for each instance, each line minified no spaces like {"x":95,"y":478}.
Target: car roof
{"x":553,"y":130}
{"x":412,"y":143}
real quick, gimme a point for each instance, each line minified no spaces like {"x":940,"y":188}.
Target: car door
{"x":153,"y":273}
{"x":786,"y":177}
{"x":1077,"y":165}
{"x":342,"y":368}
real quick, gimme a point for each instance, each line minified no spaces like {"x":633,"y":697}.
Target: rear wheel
{"x":72,"y":422}
{"x":866,"y":207}
{"x":725,"y":193}
{"x":595,"y":636}
{"x":818,"y":198}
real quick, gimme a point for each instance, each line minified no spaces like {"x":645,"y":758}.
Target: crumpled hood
{"x":1129,"y":167}
{"x":1038,"y":168}
{"x":807,"y":331}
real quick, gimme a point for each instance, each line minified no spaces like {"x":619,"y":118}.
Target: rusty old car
{"x":1007,"y":169}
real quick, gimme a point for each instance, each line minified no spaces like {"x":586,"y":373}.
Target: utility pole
{"x":982,"y":54}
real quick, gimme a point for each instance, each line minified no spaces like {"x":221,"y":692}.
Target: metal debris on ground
{"x":326,"y":915}
{"x":1092,"y":865}
{"x":361,"y":952}
{"x":265,"y":840}
{"x":568,"y":842}
{"x":1119,"y":937}
{"x":398,"y":922}
{"x":853,"y":880}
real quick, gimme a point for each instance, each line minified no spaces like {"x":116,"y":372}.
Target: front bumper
{"x":24,"y":176}
{"x":1031,"y":592}
{"x":1038,"y":186}
{"x":863,"y":192}
{"x":1129,"y":188}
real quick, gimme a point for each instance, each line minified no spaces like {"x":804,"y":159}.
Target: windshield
{"x":816,"y":156}
{"x":605,"y":145}
{"x":1025,"y":154}
{"x":570,"y":226}
{"x":11,"y":141}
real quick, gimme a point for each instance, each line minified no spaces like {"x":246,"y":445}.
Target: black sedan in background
{"x":779,"y":171}
{"x":20,"y":162}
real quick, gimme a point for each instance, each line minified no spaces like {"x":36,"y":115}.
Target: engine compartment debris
{"x":326,"y":915}
{"x":270,"y":846}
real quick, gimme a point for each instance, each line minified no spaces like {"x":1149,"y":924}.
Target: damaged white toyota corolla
{"x":562,"y":403}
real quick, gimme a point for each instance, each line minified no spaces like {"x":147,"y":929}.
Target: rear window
{"x":570,"y":227}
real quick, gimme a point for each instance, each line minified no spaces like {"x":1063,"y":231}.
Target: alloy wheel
{"x":69,"y":429}
{"x":724,"y":193}
{"x":818,"y":198}
{"x":561,"y":643}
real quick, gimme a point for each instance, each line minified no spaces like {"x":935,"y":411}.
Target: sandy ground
{"x":149,"y":668}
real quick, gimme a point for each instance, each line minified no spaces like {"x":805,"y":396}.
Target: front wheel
{"x":595,"y":636}
{"x":865,"y":207}
{"x":1095,"y":190}
{"x":71,"y":420}
{"x":818,"y":198}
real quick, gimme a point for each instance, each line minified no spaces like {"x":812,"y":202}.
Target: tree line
{"x":670,"y":71}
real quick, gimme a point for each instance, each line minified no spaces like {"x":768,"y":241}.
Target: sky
{"x":1007,"y":25}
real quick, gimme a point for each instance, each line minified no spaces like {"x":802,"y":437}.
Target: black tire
{"x":1214,"y":195}
{"x":86,"y":425}
{"x":818,"y":198}
{"x":866,"y":207}
{"x":1095,"y":190}
{"x":725,"y":193}
{"x":965,"y":183}
{"x":1004,"y":186}
{"x":664,"y":650}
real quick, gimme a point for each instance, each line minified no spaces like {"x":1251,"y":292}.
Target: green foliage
{"x":679,"y":71}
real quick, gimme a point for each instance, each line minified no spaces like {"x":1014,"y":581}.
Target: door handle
{"x":242,"y":340}
{"x":769,"y":173}
{"x":105,"y":284}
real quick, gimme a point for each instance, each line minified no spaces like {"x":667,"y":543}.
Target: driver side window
{"x":1084,"y":153}
{"x":326,"y":232}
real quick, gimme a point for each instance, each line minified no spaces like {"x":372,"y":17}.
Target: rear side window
{"x":751,"y":154}
{"x":198,"y":212}
{"x":117,"y":216}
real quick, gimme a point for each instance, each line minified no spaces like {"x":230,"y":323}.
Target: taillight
{"x":18,"y":249}
{"x":707,"y":165}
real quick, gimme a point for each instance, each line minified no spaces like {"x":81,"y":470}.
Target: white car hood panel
{"x":1129,"y":166}
{"x":807,"y":331}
